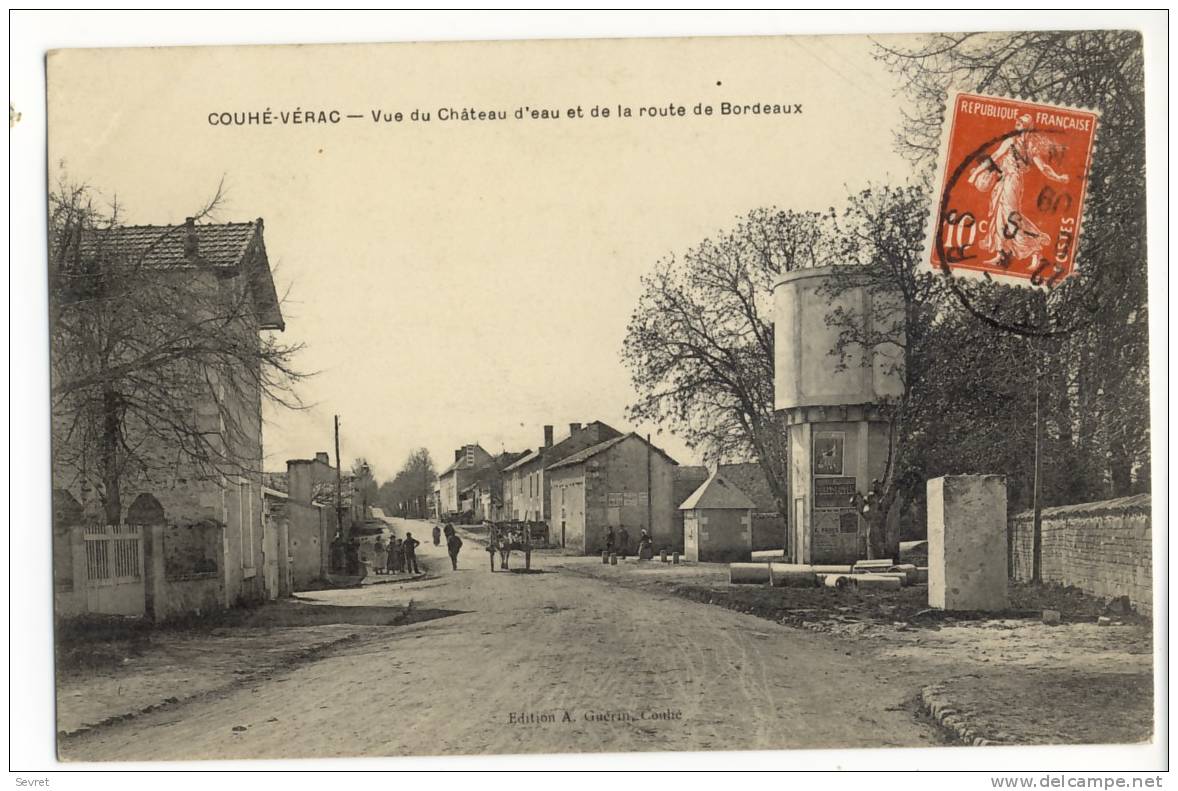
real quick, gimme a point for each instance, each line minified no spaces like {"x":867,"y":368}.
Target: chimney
{"x":574,"y":428}
{"x":191,"y":244}
{"x":323,"y":458}
{"x":548,"y":436}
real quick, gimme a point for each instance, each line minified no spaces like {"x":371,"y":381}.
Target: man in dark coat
{"x":453,"y":544}
{"x":609,"y":540}
{"x":409,"y":548}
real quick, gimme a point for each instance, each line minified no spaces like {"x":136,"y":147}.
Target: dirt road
{"x":551,"y":661}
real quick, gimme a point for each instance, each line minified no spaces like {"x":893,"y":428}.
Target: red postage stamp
{"x":1012,"y":180}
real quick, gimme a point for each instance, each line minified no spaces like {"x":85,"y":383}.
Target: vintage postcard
{"x":615,"y":395}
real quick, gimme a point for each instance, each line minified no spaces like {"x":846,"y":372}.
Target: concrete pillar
{"x":967,"y":542}
{"x":155,"y":603}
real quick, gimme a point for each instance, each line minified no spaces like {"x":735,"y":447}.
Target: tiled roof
{"x":528,"y":457}
{"x":508,"y":458}
{"x":601,"y":447}
{"x":750,"y":478}
{"x":687,"y":472}
{"x":219,"y":245}
{"x":717,"y":492}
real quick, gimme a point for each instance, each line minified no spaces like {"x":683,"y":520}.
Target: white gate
{"x":114,"y":569}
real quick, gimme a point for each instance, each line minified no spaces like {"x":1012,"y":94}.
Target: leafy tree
{"x":699,"y":344}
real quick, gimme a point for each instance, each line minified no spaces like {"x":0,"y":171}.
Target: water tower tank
{"x":808,"y":369}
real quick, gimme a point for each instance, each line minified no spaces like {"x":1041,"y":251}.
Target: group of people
{"x":400,"y":555}
{"x":345,"y":555}
{"x":621,"y":543}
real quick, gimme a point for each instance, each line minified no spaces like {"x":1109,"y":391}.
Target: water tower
{"x":831,"y":403}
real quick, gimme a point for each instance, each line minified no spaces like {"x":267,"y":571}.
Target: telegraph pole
{"x":339,"y":503}
{"x":1037,"y":487}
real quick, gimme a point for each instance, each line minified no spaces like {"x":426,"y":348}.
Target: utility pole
{"x":1037,"y":486}
{"x":339,"y":502}
{"x":649,"y":498}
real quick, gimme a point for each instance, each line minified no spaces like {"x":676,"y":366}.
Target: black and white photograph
{"x":568,"y":396}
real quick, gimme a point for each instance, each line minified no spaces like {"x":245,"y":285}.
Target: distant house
{"x":484,"y":497}
{"x":717,"y":522}
{"x":458,"y":476}
{"x":312,"y":519}
{"x":527,"y":496}
{"x":622,"y":482}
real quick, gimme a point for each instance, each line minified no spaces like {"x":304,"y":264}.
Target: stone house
{"x":717,"y":522}
{"x":458,"y":476}
{"x":622,"y":482}
{"x":227,"y":261}
{"x":485,"y":497}
{"x":527,"y":496}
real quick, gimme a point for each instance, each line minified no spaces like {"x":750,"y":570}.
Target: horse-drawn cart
{"x":507,"y":537}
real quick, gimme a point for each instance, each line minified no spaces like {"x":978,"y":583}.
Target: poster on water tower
{"x":385,"y":378}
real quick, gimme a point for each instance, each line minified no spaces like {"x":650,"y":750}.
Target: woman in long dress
{"x":1010,"y":235}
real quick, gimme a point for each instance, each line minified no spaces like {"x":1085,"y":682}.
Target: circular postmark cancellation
{"x":1012,"y":180}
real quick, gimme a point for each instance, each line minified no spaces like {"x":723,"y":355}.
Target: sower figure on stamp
{"x":1010,"y":236}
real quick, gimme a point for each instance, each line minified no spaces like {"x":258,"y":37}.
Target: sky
{"x":458,"y":282}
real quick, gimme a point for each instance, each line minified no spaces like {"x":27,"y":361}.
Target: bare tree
{"x":153,"y":354}
{"x":1097,"y":319}
{"x":699,"y":344}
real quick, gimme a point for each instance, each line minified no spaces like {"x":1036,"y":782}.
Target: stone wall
{"x":1103,"y":548}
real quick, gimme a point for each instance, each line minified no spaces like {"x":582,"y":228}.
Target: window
{"x":246,"y":521}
